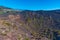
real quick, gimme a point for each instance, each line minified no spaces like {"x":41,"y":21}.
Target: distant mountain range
{"x":35,"y":25}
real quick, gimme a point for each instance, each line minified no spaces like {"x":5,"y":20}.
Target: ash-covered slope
{"x":29,"y":25}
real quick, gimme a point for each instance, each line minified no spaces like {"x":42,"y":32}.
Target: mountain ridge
{"x":30,"y":25}
{"x":27,"y":9}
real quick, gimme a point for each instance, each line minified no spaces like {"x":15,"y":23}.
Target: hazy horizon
{"x":31,"y":4}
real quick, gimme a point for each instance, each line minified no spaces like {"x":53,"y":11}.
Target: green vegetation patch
{"x":1,"y":12}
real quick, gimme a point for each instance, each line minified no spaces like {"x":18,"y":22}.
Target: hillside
{"x":29,"y":25}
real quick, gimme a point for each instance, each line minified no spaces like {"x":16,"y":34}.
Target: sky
{"x":31,"y":4}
